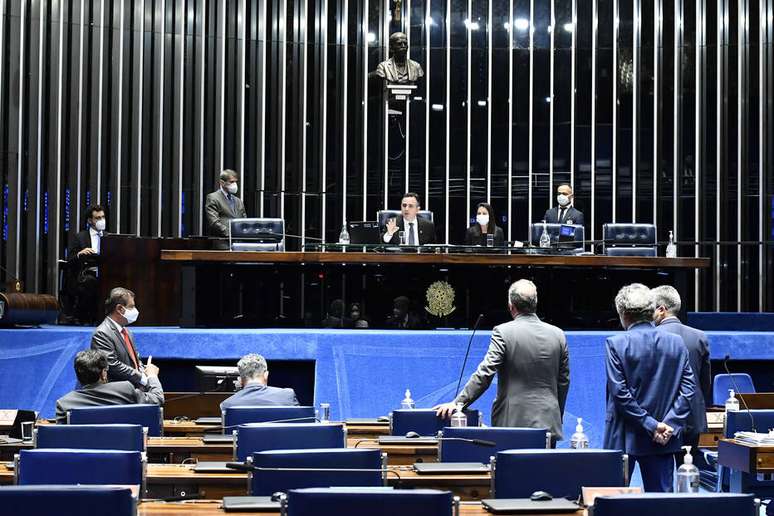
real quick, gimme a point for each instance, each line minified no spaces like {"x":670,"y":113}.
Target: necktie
{"x":231,"y":202}
{"x":411,"y":240}
{"x":561,"y":214}
{"x":130,"y":348}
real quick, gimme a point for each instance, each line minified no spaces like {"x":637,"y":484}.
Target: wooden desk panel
{"x":746,"y":457}
{"x":190,"y":429}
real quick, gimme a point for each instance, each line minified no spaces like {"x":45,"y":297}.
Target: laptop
{"x":249,"y":504}
{"x":450,"y":468}
{"x":527,"y":506}
{"x":364,"y":232}
{"x":218,"y":438}
{"x":207,"y":420}
{"x":212,"y":467}
{"x":402,"y":439}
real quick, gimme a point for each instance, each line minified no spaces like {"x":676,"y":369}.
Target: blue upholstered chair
{"x":374,"y":502}
{"x":316,"y":466}
{"x":629,"y":239}
{"x":235,"y":416}
{"x":669,"y":504}
{"x":505,"y":439}
{"x":70,"y":467}
{"x":45,"y":500}
{"x":723,"y":382}
{"x":424,"y":421}
{"x":519,"y":473}
{"x":91,"y":437}
{"x":257,"y":437}
{"x":149,"y":416}
{"x":536,"y":231}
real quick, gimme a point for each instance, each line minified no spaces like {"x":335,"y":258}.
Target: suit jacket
{"x":113,"y":393}
{"x":649,"y":380}
{"x":699,"y":359}
{"x":258,"y":395}
{"x":108,"y":339}
{"x":532,"y":363}
{"x":474,"y":236}
{"x":425,"y":229}
{"x":571,"y":214}
{"x":219,"y":212}
{"x":78,"y":242}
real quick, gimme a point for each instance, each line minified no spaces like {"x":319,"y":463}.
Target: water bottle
{"x":459,"y":418}
{"x":325,"y":412}
{"x":671,"y":249}
{"x":579,"y":439}
{"x":545,"y":239}
{"x":344,"y":235}
{"x":687,"y":474}
{"x":407,"y":402}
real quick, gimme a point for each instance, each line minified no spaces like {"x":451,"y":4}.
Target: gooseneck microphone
{"x":307,"y":419}
{"x":736,"y":389}
{"x":243,"y":466}
{"x":467,"y":352}
{"x":414,"y":435}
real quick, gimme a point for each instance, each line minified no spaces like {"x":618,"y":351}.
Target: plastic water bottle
{"x":732,"y":404}
{"x":687,"y":474}
{"x":459,"y":418}
{"x":579,"y":439}
{"x":407,"y":402}
{"x":545,"y":239}
{"x":344,"y":235}
{"x":671,"y":249}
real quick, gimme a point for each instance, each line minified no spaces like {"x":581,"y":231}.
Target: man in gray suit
{"x":668,"y":303}
{"x":91,"y":369}
{"x":223,"y":205}
{"x":254,"y":375}
{"x":533,"y":367}
{"x":112,"y":338}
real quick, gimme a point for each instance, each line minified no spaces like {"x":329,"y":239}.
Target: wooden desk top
{"x":431,"y":258}
{"x":746,"y":457}
{"x":190,"y":428}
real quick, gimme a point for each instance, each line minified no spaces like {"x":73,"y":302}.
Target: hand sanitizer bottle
{"x":459,"y":418}
{"x":407,"y":402}
{"x":687,"y":474}
{"x":579,"y":439}
{"x":671,"y":248}
{"x":545,"y":239}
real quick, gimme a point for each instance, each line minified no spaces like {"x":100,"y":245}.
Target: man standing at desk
{"x":418,"y":231}
{"x":82,"y":271}
{"x":565,"y":212}
{"x":223,"y":205}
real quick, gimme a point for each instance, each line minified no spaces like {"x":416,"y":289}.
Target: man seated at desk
{"x":417,"y":231}
{"x":254,"y":376}
{"x":91,"y":369}
{"x":223,"y":205}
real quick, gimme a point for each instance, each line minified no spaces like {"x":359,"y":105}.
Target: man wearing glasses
{"x":416,"y":231}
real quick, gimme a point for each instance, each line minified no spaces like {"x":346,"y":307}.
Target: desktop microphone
{"x":467,"y":352}
{"x":736,"y":389}
{"x":215,"y":429}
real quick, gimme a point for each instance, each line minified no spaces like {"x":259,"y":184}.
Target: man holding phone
{"x":416,"y":231}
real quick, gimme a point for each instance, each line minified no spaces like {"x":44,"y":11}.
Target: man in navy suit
{"x":650,"y":387}
{"x":565,"y":212}
{"x":253,"y":374}
{"x":667,"y":301}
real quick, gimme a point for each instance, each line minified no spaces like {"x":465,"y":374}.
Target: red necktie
{"x":129,"y":347}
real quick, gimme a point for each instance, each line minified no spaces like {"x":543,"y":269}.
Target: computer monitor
{"x":217,"y":378}
{"x":257,"y":234}
{"x":364,"y":232}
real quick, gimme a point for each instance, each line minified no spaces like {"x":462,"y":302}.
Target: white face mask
{"x":563,"y":200}
{"x":131,"y":315}
{"x":100,"y":225}
{"x":482,"y":219}
{"x":232,"y":188}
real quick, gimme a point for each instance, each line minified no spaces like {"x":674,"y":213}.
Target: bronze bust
{"x":399,"y":69}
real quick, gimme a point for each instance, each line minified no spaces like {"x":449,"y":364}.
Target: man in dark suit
{"x":82,"y":272}
{"x":565,"y":212}
{"x":417,"y":231}
{"x":668,"y":302}
{"x":91,"y":369}
{"x":112,"y":338}
{"x":254,"y":376}
{"x":650,"y":387}
{"x":223,"y":205}
{"x":532,"y":364}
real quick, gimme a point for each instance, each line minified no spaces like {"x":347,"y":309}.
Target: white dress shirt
{"x":387,"y":237}
{"x":95,"y":239}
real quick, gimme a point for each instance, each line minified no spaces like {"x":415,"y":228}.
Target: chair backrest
{"x":317,"y":466}
{"x":519,"y":473}
{"x":740,"y":421}
{"x":383,"y":215}
{"x":91,"y":437}
{"x":234,"y":416}
{"x":671,"y":504}
{"x":149,"y":416}
{"x":257,"y":234}
{"x":536,"y":230}
{"x":629,"y":239}
{"x":504,"y":439}
{"x":374,"y":502}
{"x":257,"y":437}
{"x":424,"y":421}
{"x":69,"y":467}
{"x":723,"y":382}
{"x":45,"y":500}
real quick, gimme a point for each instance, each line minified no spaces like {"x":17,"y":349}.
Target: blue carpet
{"x":361,"y":373}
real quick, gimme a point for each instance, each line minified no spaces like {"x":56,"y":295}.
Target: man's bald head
{"x":522,"y":296}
